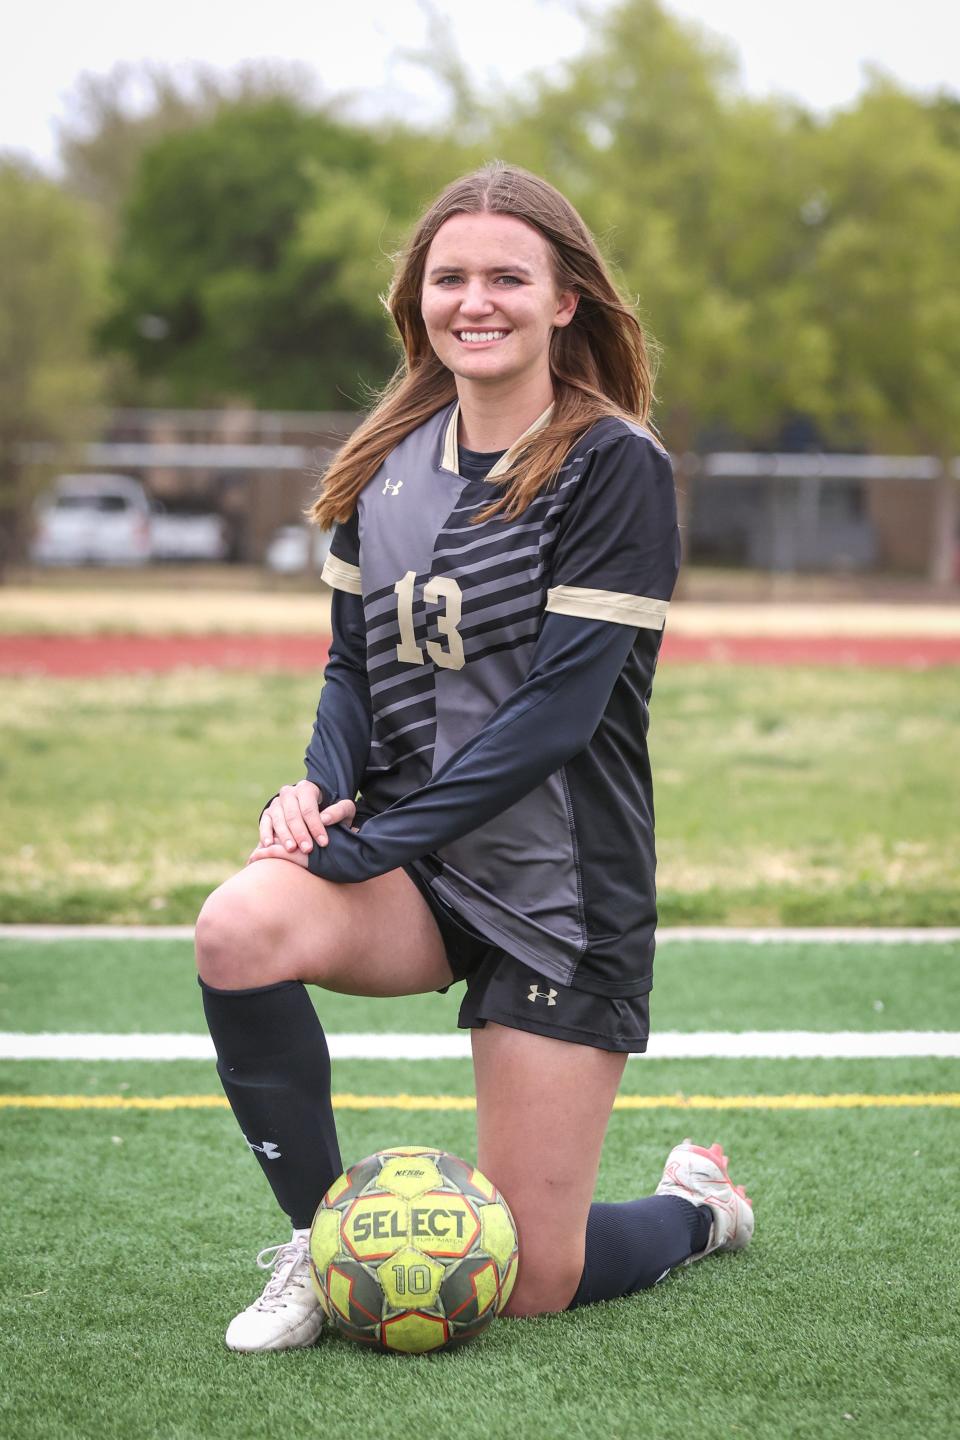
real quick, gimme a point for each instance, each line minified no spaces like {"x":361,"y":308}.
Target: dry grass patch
{"x":25,"y":610}
{"x":797,"y":796}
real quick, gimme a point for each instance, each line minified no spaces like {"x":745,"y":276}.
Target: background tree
{"x":51,"y":278}
{"x":883,"y":285}
{"x":883,"y":277}
{"x":697,"y":195}
{"x":785,"y":263}
{"x":112,"y":119}
{"x":249,"y":259}
{"x":789,"y":266}
{"x":646,"y":134}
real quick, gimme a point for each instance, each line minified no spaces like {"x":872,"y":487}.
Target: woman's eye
{"x":447,"y":280}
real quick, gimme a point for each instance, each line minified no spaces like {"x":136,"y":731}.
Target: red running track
{"x":92,"y":655}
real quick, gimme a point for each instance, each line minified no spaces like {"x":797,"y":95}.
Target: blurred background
{"x":197,"y":225}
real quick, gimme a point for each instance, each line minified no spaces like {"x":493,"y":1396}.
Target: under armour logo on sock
{"x":268,"y":1149}
{"x":389,"y":488}
{"x":537,"y":994}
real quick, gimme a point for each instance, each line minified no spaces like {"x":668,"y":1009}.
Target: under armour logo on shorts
{"x":537,"y":994}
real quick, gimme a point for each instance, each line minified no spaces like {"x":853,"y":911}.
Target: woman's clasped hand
{"x":294,"y":822}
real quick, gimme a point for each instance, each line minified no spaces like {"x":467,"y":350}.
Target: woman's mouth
{"x":480,"y":337}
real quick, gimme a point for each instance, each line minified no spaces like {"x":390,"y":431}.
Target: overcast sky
{"x":814,"y":50}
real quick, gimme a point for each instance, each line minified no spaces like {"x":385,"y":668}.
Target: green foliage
{"x":785,"y":265}
{"x":114,"y":117}
{"x":203,"y":269}
{"x":252,"y":254}
{"x":51,"y":271}
{"x":881,"y":283}
{"x":51,"y":278}
{"x":642,"y":133}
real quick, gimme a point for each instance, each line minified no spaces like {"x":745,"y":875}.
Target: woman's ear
{"x":567,"y":303}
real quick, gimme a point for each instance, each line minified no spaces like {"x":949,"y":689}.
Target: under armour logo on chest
{"x":537,"y":994}
{"x":389,"y":488}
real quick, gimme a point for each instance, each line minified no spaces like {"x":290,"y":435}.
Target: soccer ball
{"x":412,"y":1250}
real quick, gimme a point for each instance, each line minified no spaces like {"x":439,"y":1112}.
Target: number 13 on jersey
{"x":439,"y":590}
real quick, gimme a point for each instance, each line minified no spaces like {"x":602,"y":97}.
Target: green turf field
{"x":129,"y":1234}
{"x":795,"y":796}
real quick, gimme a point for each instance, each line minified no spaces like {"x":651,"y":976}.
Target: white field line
{"x":812,"y":935}
{"x":96,"y":932}
{"x":741,"y":935}
{"x":669,"y":1045}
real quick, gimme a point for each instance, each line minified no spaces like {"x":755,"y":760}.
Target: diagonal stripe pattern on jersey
{"x":488,"y":695}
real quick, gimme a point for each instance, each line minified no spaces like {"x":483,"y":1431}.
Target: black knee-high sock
{"x":632,"y":1246}
{"x":274,"y":1065}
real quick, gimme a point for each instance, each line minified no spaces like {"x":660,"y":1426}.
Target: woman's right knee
{"x":238,"y":942}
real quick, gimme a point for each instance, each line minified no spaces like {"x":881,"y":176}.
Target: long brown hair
{"x":599,"y":362}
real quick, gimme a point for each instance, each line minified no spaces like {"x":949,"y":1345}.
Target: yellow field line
{"x":843,"y":1101}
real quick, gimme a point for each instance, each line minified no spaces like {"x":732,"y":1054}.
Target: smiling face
{"x":490,"y":301}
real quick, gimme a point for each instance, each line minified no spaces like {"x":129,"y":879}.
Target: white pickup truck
{"x":109,"y":520}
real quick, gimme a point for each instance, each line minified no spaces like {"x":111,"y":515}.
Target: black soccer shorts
{"x":502,"y":989}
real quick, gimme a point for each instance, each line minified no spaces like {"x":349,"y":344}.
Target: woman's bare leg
{"x":542,"y":1112}
{"x":542,"y":1109}
{"x":274,"y":921}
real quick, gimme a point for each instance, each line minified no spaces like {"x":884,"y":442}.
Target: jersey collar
{"x":450,"y":457}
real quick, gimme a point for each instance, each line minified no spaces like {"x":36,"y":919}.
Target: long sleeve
{"x":340,"y":744}
{"x":612,"y":568}
{"x":540,"y":726}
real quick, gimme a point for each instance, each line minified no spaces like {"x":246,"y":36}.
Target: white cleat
{"x":700,"y":1176}
{"x":287,"y":1316}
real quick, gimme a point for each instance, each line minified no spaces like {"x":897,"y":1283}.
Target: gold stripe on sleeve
{"x":341,"y":575}
{"x":639,"y":610}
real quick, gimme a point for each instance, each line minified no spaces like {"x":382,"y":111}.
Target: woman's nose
{"x":476,"y":300}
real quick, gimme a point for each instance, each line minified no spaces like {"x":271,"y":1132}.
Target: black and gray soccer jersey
{"x":487,"y":693}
